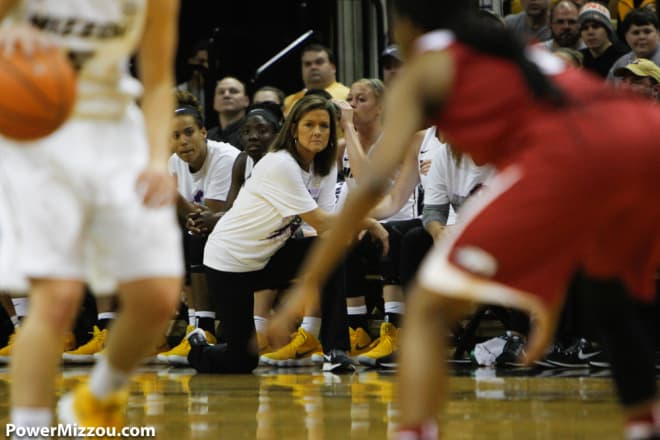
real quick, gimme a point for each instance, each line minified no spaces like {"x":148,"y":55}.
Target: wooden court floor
{"x":307,"y":404}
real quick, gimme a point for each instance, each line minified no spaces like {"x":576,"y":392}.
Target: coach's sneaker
{"x":387,"y":344}
{"x":82,"y":408}
{"x":5,"y":352}
{"x":85,"y":353}
{"x":577,"y":355}
{"x":296,"y":353}
{"x":179,"y":354}
{"x":556,"y":347}
{"x":389,"y":362}
{"x":337,"y":362}
{"x":601,"y":360}
{"x":360,"y":341}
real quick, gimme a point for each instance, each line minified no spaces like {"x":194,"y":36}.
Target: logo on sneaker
{"x":303,"y":354}
{"x":361,"y":347}
{"x":584,"y":356}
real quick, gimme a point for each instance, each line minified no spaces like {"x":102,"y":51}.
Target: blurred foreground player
{"x":100,"y":201}
{"x":523,"y":261}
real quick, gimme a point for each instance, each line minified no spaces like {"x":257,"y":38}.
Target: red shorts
{"x":591,"y":203}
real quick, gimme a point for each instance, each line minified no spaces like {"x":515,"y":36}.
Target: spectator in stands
{"x":623,"y":7}
{"x":602,"y":48}
{"x":640,"y":28}
{"x":641,"y":76}
{"x":230,"y":102}
{"x":619,"y":10}
{"x":564,"y":26}
{"x":198,"y":66}
{"x":391,"y":61}
{"x":532,"y":22}
{"x":318,"y":72}
{"x":269,"y":93}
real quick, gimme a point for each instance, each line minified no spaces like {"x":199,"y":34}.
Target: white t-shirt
{"x":407,"y":212}
{"x":266,"y":213}
{"x":249,"y":166}
{"x":451,"y":183}
{"x":213,"y":180}
{"x":430,"y":144}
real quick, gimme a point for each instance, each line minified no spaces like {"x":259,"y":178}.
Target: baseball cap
{"x":640,"y":67}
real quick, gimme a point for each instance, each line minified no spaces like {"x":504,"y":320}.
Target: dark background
{"x":246,"y":33}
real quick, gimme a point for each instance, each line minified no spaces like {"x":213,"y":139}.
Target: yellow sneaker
{"x":85,"y":353}
{"x":82,"y":408}
{"x":179,"y":354}
{"x":5,"y":352}
{"x":388,"y":343}
{"x":296,"y":353}
{"x":360,"y":341}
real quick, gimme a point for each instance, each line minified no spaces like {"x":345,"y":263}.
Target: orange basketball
{"x":37,"y":93}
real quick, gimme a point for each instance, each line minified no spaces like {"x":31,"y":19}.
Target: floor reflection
{"x":308,"y":404}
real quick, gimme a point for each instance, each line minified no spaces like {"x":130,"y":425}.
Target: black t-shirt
{"x":602,"y":65}
{"x":231,"y":134}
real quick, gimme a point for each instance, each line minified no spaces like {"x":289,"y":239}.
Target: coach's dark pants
{"x":233,"y":293}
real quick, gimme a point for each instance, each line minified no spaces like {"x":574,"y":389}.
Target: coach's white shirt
{"x":265,"y":213}
{"x":213,"y":180}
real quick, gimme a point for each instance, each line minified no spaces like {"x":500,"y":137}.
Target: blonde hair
{"x":375,"y":85}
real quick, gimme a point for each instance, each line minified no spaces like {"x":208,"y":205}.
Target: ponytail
{"x":481,"y":34}
{"x":486,"y":37}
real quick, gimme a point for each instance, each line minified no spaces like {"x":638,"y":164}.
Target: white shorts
{"x":10,"y":279}
{"x":78,"y":214}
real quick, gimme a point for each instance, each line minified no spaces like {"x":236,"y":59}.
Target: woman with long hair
{"x":251,"y":247}
{"x":575,"y":138}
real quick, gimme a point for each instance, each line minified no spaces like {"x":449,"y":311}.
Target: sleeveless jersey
{"x":99,"y":36}
{"x":556,"y":156}
{"x":504,"y":131}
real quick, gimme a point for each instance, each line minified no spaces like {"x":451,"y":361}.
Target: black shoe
{"x":389,"y":362}
{"x":337,"y":361}
{"x":512,"y":352}
{"x":601,"y":360}
{"x":557,"y":347}
{"x":577,"y":355}
{"x":197,"y":338}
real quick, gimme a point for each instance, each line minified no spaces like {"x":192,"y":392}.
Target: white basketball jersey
{"x":99,"y":36}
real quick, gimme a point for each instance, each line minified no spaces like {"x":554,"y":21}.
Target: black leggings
{"x":415,"y":244}
{"x":623,"y":335}
{"x":367,"y":258}
{"x":233,"y":294}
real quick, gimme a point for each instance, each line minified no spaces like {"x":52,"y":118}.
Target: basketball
{"x":37,"y":93}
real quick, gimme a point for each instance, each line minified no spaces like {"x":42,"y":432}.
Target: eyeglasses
{"x":565,"y":22}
